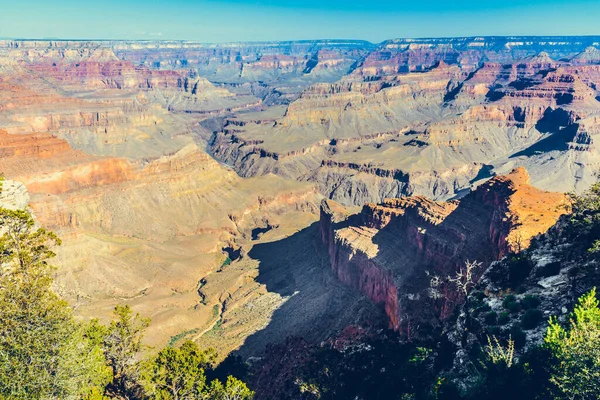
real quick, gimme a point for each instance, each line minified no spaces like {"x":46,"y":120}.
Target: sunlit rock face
{"x":391,"y":251}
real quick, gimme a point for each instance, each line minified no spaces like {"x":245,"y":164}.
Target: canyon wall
{"x":393,"y":251}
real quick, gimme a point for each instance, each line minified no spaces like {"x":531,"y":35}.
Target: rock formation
{"x":392,"y":251}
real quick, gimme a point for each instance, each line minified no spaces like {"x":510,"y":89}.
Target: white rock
{"x":551,"y":281}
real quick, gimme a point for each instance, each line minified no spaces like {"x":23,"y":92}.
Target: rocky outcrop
{"x":390,"y":251}
{"x":517,"y":295}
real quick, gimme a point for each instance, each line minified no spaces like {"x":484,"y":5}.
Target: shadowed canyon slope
{"x":186,"y":179}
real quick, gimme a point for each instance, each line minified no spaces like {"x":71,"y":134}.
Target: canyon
{"x":242,"y":193}
{"x":433,"y":133}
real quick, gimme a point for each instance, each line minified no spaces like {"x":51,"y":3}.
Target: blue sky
{"x":248,"y":20}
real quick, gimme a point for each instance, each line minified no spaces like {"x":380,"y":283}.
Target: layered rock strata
{"x":146,"y":233}
{"x":433,"y":133}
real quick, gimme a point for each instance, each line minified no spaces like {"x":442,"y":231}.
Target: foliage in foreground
{"x":566,"y":366}
{"x":179,"y":373}
{"x":584,"y":220}
{"x":577,"y":350}
{"x":44,"y":353}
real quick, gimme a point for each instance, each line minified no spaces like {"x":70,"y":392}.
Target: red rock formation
{"x":105,"y":72}
{"x":386,"y":249}
{"x":48,"y":165}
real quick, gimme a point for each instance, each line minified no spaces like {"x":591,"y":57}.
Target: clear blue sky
{"x":247,"y":20}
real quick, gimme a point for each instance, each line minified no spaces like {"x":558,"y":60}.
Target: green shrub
{"x":577,"y":351}
{"x":179,"y":373}
{"x":181,"y":335}
{"x":511,"y":303}
{"x":491,"y":318}
{"x":519,"y":267}
{"x":511,"y":298}
{"x":503,"y":318}
{"x":530,"y":301}
{"x":531,"y":318}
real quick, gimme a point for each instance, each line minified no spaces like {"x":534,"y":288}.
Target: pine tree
{"x":122,"y":349}
{"x":44,"y":353}
{"x":178,"y":373}
{"x":234,"y":389}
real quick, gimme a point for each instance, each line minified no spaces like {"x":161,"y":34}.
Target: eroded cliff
{"x":393,"y":251}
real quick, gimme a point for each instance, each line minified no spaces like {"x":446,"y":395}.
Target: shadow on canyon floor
{"x":317,"y":305}
{"x":562,"y":131}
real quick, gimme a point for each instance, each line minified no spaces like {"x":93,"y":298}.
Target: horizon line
{"x":22,"y":39}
